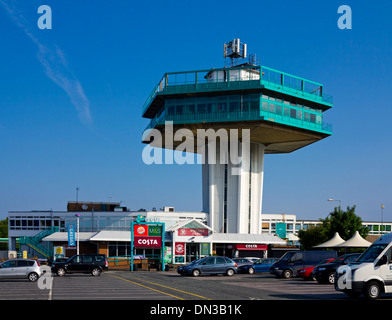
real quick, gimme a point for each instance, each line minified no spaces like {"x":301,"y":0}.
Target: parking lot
{"x":144,"y":285}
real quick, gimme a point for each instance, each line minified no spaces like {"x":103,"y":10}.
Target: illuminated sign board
{"x":147,"y":236}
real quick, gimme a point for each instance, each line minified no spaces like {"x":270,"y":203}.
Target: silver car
{"x":20,"y":268}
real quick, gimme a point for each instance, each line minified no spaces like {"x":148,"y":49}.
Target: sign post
{"x":147,"y":235}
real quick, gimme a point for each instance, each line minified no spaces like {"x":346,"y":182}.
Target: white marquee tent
{"x":333,"y":242}
{"x":356,"y":241}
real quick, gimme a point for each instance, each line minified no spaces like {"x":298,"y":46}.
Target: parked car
{"x":261,"y":265}
{"x":253,"y":259}
{"x":325,"y":273}
{"x":20,"y":268}
{"x":83,"y":263}
{"x":292,"y":261}
{"x":242,"y":261}
{"x":306,"y":272}
{"x":209,"y":265}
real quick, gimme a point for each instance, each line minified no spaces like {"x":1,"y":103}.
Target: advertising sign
{"x":281,"y":230}
{"x":148,"y":242}
{"x":179,"y":248}
{"x":204,"y":249}
{"x":71,"y":235}
{"x":140,"y":230}
{"x":194,"y":232}
{"x":58,"y":252}
{"x":251,"y":247}
{"x":148,"y":235}
{"x":168,"y":255}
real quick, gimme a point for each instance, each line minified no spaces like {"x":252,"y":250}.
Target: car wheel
{"x":61,"y":272}
{"x":195,"y":272}
{"x":331,"y":278}
{"x":373,"y":290}
{"x":230,"y":272}
{"x":287,"y":274}
{"x":251,"y":271}
{"x":33,"y":277}
{"x":96,"y":272}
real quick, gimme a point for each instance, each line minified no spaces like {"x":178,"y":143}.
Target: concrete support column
{"x":232,"y":193}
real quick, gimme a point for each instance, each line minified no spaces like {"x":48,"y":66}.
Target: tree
{"x":4,"y":233}
{"x":346,"y":223}
{"x":4,"y":228}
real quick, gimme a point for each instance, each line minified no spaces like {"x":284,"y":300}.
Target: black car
{"x":82,"y":263}
{"x":325,"y":273}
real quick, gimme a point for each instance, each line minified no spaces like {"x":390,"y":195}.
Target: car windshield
{"x":371,"y":253}
{"x":287,"y":256}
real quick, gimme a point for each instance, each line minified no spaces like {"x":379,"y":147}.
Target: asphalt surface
{"x":153,"y":285}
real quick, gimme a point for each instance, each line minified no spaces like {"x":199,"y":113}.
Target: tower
{"x":234,"y":116}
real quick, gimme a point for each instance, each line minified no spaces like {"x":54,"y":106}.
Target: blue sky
{"x":71,"y":99}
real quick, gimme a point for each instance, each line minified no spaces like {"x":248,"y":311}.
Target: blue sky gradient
{"x":71,"y":100}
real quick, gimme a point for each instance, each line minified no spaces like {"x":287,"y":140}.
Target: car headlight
{"x":321,"y":269}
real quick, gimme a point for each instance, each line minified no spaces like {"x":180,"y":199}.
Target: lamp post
{"x":382,"y":219}
{"x":340,"y":203}
{"x":77,"y":231}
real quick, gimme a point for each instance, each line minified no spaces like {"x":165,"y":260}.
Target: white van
{"x":370,"y":274}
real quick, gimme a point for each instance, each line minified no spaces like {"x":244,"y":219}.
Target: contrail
{"x":55,"y":65}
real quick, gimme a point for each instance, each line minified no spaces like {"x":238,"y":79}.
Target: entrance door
{"x":192,"y":252}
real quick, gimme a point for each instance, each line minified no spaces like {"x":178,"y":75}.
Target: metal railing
{"x":237,"y":78}
{"x":240,"y":116}
{"x":35,"y":242}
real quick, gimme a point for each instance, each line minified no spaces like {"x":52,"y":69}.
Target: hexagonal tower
{"x":270,"y":111}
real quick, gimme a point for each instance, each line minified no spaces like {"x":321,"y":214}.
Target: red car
{"x":306,"y":272}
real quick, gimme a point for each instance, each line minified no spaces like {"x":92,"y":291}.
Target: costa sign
{"x":251,"y":247}
{"x":148,"y":242}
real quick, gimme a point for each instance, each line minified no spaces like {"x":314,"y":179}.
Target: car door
{"x":22,"y":268}
{"x":7,"y":269}
{"x":220,"y":265}
{"x":386,"y":271}
{"x":87,"y":263}
{"x":75,"y":264}
{"x":208,"y":265}
{"x":262,"y":265}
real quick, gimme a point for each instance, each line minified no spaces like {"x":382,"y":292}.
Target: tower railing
{"x":239,"y":116}
{"x":237,"y":78}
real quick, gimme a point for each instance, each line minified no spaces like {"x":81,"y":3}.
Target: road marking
{"x":146,"y":287}
{"x":50,"y":288}
{"x":161,"y":285}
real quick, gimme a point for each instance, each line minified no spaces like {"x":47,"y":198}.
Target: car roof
{"x":19,"y":259}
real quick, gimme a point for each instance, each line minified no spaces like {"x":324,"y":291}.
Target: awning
{"x":63,"y":236}
{"x":245,"y":238}
{"x":107,"y":235}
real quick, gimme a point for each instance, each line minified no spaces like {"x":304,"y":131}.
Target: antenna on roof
{"x":234,"y":49}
